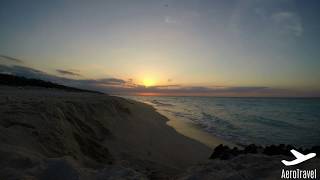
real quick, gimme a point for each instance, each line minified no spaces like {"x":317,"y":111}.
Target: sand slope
{"x":66,"y":135}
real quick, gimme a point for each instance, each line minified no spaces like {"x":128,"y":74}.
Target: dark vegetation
{"x":12,"y":80}
{"x":224,"y":152}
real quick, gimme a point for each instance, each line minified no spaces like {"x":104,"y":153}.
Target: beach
{"x":60,"y":134}
{"x":88,"y":131}
{"x":240,"y":121}
{"x":192,"y":131}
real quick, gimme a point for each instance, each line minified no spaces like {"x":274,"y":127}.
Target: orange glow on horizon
{"x":147,"y":82}
{"x":149,"y":94}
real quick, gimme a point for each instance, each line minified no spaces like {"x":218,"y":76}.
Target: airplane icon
{"x":300,"y":158}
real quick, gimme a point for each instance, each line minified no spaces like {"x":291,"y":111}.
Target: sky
{"x":166,"y":47}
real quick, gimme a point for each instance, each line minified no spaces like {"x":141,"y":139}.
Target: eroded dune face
{"x":50,"y":133}
{"x":40,"y":124}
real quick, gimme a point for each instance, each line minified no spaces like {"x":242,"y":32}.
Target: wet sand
{"x":190,"y":130}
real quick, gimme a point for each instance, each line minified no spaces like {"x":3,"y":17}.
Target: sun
{"x":148,"y":82}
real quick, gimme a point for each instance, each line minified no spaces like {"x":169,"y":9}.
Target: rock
{"x":219,"y":152}
{"x":224,"y":152}
{"x":252,"y":148}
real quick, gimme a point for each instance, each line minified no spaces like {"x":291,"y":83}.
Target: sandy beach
{"x":58,"y":134}
{"x":90,"y":130}
{"x":192,"y":131}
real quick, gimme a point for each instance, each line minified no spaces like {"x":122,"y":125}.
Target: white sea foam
{"x":248,"y":120}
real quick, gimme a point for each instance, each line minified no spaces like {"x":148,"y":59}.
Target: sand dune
{"x":53,"y":134}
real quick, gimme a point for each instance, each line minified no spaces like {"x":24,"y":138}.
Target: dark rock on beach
{"x":224,"y":152}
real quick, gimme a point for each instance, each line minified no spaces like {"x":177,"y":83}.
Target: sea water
{"x":244,"y":121}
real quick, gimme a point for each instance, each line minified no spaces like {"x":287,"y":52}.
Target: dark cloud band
{"x":120,"y":86}
{"x":67,"y":72}
{"x":12,"y":59}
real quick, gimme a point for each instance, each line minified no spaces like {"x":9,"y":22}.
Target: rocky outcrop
{"x":249,"y":162}
{"x":224,"y":152}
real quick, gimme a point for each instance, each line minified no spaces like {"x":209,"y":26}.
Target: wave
{"x":216,"y":121}
{"x":158,"y":103}
{"x":245,"y":121}
{"x":271,"y":122}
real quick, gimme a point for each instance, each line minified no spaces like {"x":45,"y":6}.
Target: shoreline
{"x":189,"y":129}
{"x":192,"y":131}
{"x":92,"y":136}
{"x":84,"y":131}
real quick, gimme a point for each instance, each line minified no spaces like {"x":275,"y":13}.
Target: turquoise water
{"x":247,"y":120}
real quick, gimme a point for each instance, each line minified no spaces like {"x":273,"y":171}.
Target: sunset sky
{"x":170,"y":47}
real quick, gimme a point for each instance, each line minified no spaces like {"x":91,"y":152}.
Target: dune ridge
{"x":54,"y":134}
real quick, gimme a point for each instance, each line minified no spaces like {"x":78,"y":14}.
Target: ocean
{"x":243,"y":121}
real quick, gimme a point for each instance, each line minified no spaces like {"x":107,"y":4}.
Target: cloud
{"x":94,"y":84}
{"x":168,"y":86}
{"x":12,"y":59}
{"x":202,"y":89}
{"x":23,"y":71}
{"x":106,"y":82}
{"x":170,"y":20}
{"x":262,"y":17}
{"x":68,"y":72}
{"x":124,"y":87}
{"x":288,"y":22}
